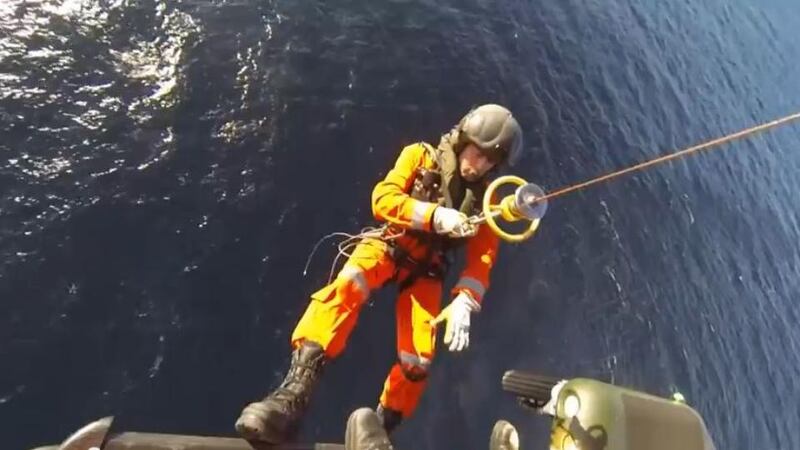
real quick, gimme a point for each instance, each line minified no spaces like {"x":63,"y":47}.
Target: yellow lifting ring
{"x":506,"y":209}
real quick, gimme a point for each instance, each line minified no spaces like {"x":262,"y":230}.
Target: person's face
{"x":473,"y":165}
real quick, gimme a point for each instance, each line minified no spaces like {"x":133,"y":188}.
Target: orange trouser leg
{"x":333,"y":311}
{"x":416,"y":345}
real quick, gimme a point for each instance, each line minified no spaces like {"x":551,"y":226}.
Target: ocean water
{"x":166,"y":167}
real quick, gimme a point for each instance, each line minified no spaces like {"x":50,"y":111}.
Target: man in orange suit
{"x":426,"y":200}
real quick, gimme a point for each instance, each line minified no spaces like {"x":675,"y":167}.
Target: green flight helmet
{"x":495,"y":131}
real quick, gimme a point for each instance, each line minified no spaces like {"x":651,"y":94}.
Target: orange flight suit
{"x":333,"y":311}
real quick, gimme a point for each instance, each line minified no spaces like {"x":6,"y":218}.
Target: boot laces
{"x":293,"y":392}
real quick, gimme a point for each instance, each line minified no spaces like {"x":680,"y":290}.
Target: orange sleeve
{"x":481,"y":253}
{"x":391,"y":201}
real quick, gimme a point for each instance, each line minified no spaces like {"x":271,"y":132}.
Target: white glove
{"x":453,"y":223}
{"x":457,"y":313}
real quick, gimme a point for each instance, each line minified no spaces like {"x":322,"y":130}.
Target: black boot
{"x":365,"y":432}
{"x":389,"y":418}
{"x":275,"y":418}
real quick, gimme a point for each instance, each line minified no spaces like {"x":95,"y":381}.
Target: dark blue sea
{"x":167,"y":166}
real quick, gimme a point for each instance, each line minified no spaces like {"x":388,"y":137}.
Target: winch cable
{"x":678,"y":154}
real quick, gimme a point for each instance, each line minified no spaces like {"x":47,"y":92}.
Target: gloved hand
{"x":457,"y":314}
{"x":452,"y":222}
